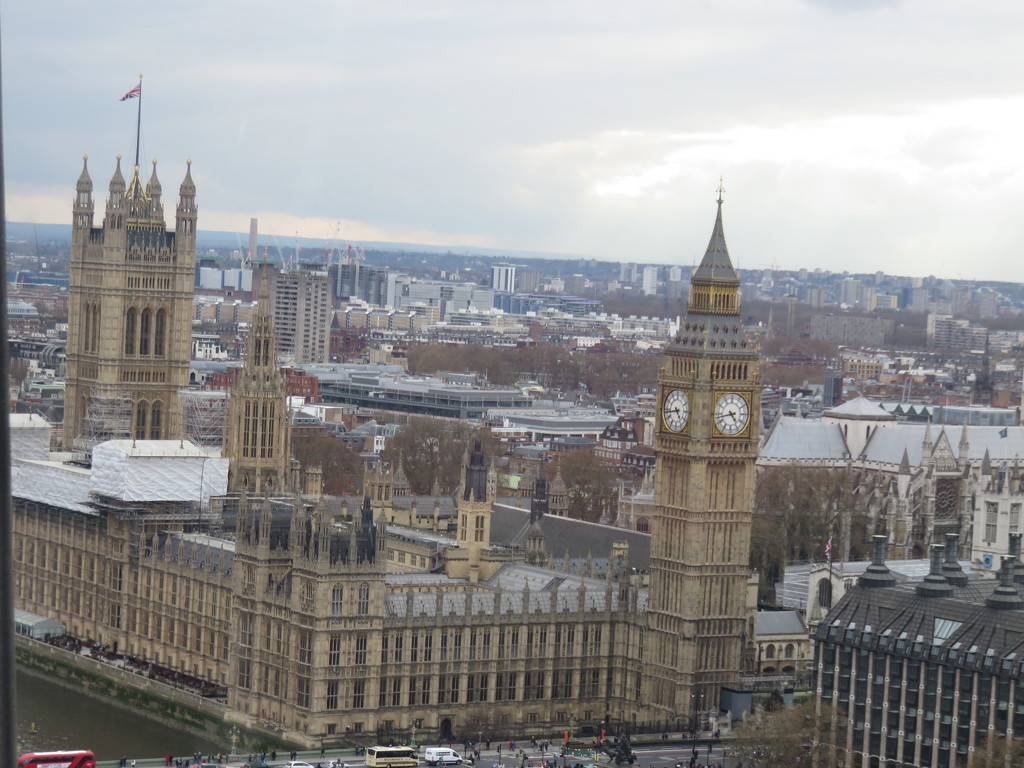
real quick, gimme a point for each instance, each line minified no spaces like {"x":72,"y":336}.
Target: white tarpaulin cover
{"x":157,"y":470}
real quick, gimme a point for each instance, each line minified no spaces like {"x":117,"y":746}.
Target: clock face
{"x":731,"y":414}
{"x":676,"y":410}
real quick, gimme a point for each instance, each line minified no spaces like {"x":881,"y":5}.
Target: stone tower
{"x":474,"y":509}
{"x":129,"y":312}
{"x":706,"y":446}
{"x":258,"y":430}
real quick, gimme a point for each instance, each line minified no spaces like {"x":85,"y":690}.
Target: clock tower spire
{"x":706,"y":446}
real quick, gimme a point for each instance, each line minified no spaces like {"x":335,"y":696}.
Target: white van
{"x":441,"y":756}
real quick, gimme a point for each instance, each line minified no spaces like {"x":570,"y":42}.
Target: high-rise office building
{"x":503,"y":277}
{"x":650,"y":281}
{"x":301,"y":304}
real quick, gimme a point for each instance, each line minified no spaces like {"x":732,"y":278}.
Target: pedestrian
{"x":123,"y":762}
{"x":133,"y":763}
{"x":321,"y":753}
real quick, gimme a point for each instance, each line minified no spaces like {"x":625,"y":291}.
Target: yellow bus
{"x":391,"y":757}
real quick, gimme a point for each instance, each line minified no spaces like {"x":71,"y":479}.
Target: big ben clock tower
{"x":706,"y":445}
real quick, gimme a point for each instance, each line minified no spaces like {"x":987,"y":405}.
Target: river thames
{"x":65,"y":719}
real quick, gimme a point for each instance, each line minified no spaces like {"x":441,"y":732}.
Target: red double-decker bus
{"x":79,"y":758}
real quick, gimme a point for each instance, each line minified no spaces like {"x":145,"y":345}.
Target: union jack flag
{"x":134,"y":93}
{"x":828,"y":549}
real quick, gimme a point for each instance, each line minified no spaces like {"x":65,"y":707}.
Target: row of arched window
{"x":91,"y":334}
{"x":148,"y":420}
{"x":362,"y":600}
{"x":145,"y":332}
{"x":789,"y":650}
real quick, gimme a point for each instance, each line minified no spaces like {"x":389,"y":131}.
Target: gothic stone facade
{"x":130,"y":312}
{"x":300,"y":620}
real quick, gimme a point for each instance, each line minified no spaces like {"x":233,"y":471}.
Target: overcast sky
{"x":889,"y":137}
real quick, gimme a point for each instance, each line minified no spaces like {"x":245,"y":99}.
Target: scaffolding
{"x":205,"y":413}
{"x":108,"y":416}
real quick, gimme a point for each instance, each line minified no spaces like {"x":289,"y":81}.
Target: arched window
{"x":364,"y":599}
{"x":145,"y":328}
{"x":337,"y":596}
{"x":789,"y":651}
{"x":130,"y":321}
{"x":159,"y":331}
{"x":155,"y":420}
{"x":769,"y":652}
{"x":643,"y":525}
{"x":825,"y":593}
{"x":141,"y":411}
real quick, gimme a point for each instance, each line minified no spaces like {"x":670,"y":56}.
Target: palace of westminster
{"x":328,"y":616}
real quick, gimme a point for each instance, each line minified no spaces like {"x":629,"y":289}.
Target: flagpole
{"x":138,"y":123}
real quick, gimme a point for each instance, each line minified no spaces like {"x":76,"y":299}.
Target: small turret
{"x":153,"y":192}
{"x":475,"y":488}
{"x":83,"y":207}
{"x":187,"y":214}
{"x":539,"y":499}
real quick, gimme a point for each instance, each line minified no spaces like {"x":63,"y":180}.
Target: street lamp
{"x":234,"y":737}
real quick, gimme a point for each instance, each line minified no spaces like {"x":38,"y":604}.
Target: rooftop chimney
{"x":877,"y":574}
{"x":1005,"y":596}
{"x":935,"y":584}
{"x":951,"y":568}
{"x":1015,"y":554}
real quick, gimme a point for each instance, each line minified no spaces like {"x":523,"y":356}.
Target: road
{"x":648,"y":756}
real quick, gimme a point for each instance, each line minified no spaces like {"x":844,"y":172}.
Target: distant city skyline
{"x":874,"y":137}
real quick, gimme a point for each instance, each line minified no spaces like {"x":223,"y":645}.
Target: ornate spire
{"x":117,"y":180}
{"x":715,"y":284}
{"x":905,"y":463}
{"x":84,"y":180}
{"x":188,"y":187}
{"x":153,"y":188}
{"x":138,"y":200}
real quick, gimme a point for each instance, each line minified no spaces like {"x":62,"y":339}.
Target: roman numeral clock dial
{"x":731,"y":414}
{"x":676,"y":410}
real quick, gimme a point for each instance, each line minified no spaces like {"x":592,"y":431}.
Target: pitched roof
{"x":578,"y":538}
{"x":778,"y":623}
{"x":860,"y":408}
{"x":716,"y":264}
{"x":794,"y":438}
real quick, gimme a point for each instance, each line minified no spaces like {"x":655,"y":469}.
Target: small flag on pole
{"x":134,"y":93}
{"x":1004,"y":432}
{"x":828,"y":549}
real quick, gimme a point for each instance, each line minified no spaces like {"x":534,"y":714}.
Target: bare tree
{"x":796,"y":510}
{"x":429,"y":449}
{"x":790,"y":737}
